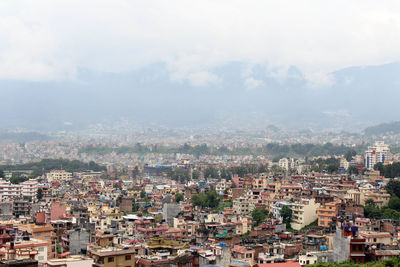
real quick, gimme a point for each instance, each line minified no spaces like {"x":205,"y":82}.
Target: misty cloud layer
{"x":186,"y":63}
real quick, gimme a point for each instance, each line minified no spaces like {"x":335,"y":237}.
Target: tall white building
{"x":379,"y":152}
{"x":284,"y":164}
{"x":25,"y":189}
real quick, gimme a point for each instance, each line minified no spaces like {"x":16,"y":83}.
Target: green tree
{"x":179,"y":197}
{"x":388,"y":213}
{"x":239,"y":170}
{"x":213,"y":199}
{"x":58,"y":248}
{"x":195,"y":174}
{"x":211,"y":172}
{"x":370,"y":202}
{"x":179,"y":174}
{"x":371,"y":210}
{"x":135,"y":172}
{"x":393,"y":187}
{"x":16,"y":178}
{"x":350,"y":155}
{"x":209,"y":199}
{"x":332,"y":168}
{"x":1,"y":174}
{"x":393,"y":262}
{"x":135,"y":206}
{"x":259,"y":215}
{"x":394,"y":203}
{"x":263,"y":168}
{"x":39,"y":194}
{"x":224,"y":173}
{"x":390,"y":170}
{"x":286,"y":214}
{"x":352,"y":170}
{"x":142,"y":194}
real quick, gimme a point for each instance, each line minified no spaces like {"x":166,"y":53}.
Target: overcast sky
{"x":52,"y":39}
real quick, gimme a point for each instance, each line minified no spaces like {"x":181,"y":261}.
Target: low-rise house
{"x":112,"y":256}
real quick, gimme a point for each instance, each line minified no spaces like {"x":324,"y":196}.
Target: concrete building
{"x":58,"y":175}
{"x":31,"y":248}
{"x":29,"y":188}
{"x":44,"y":233}
{"x":284,"y":163}
{"x":304,"y":212}
{"x":25,"y":189}
{"x":241,"y":255}
{"x":170,"y":211}
{"x":112,"y":256}
{"x":6,"y":209}
{"x":379,"y":152}
{"x":307,"y":259}
{"x":327,"y":212}
{"x":21,"y":208}
{"x":72,"y":261}
{"x":380,"y":199}
{"x":278,"y":207}
{"x":374,"y":238}
{"x":76,"y":241}
{"x":242,"y":206}
{"x":220,"y":187}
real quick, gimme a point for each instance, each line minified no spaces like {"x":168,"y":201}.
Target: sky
{"x":47,"y":39}
{"x":54,"y":41}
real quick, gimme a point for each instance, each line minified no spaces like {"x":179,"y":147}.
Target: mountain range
{"x":236,"y":96}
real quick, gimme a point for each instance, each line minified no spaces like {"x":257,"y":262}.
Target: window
{"x":110,"y":259}
{"x":47,"y":238}
{"x":38,"y":234}
{"x":128,"y":257}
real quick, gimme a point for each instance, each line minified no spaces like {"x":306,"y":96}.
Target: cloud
{"x":202,"y":78}
{"x":337,"y":113}
{"x":252,"y":83}
{"x":46,"y":39}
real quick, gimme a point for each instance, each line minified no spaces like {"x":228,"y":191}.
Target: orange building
{"x":327,"y":212}
{"x":42,"y":232}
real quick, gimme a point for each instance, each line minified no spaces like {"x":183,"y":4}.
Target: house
{"x":112,"y":256}
{"x":242,"y":254}
{"x":44,"y":233}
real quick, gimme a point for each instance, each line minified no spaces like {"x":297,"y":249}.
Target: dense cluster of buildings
{"x":89,"y":219}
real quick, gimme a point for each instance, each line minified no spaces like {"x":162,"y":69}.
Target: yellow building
{"x":260,"y":182}
{"x":58,"y":175}
{"x":26,"y":249}
{"x":304,"y":212}
{"x":353,"y":195}
{"x":373,"y":238}
{"x":380,"y":199}
{"x":112,"y":257}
